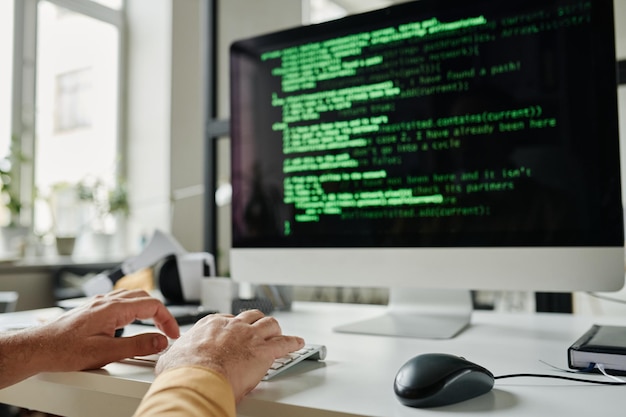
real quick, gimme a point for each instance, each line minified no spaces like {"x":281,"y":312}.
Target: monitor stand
{"x":420,"y":313}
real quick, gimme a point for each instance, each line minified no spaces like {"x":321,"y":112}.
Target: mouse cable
{"x":590,"y":381}
{"x":605,"y":297}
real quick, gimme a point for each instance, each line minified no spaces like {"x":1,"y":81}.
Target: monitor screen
{"x":434,"y":144}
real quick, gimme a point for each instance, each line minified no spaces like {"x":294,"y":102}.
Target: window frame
{"x":23,"y":120}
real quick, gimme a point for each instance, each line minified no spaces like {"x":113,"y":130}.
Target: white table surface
{"x":357,"y":376}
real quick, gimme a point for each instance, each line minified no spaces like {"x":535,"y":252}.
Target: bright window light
{"x":6,"y":76}
{"x":77,"y":105}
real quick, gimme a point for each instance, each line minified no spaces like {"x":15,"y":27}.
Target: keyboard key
{"x":308,"y":352}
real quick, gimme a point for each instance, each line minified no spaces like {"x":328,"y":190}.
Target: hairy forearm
{"x":22,"y":354}
{"x":84,"y":337}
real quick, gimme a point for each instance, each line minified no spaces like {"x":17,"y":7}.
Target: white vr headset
{"x":177,"y":271}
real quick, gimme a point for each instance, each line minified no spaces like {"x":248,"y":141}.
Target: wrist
{"x":22,"y":354}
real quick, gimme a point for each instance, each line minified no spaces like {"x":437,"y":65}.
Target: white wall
{"x":148,"y":115}
{"x":187,"y":117}
{"x":164,"y":126}
{"x":583,"y":303}
{"x":620,"y":27}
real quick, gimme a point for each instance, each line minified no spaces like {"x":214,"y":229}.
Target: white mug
{"x":217,"y":294}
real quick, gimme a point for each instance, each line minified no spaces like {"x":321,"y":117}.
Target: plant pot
{"x":65,"y":245}
{"x":13,"y":240}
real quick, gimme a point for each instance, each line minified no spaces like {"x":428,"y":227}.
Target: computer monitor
{"x":433,"y":147}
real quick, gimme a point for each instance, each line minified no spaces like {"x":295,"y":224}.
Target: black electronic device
{"x":438,"y":379}
{"x":448,"y":145}
{"x":184,"y":314}
{"x":257,"y":303}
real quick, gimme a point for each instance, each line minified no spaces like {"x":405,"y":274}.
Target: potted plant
{"x":67,"y":216}
{"x":109,"y":208}
{"x":9,"y":182}
{"x":12,"y":230}
{"x":90,"y":211}
{"x":107,"y":202}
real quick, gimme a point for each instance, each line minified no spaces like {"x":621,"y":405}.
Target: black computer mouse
{"x":436,"y":379}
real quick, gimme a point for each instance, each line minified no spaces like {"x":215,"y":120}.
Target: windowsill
{"x":54,"y":261}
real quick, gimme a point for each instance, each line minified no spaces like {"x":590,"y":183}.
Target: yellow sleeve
{"x":188,"y":391}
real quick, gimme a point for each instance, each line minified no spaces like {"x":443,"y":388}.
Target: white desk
{"x":356,"y":378}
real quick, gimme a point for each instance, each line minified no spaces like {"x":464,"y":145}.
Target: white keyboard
{"x":308,"y":352}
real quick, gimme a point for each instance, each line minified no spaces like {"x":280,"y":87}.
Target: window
{"x":113,"y":4}
{"x":323,"y":10}
{"x":6,"y":78}
{"x":73,"y":101}
{"x":60,"y":88}
{"x":77,"y":107}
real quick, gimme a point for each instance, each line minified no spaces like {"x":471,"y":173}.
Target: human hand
{"x":242,"y":348}
{"x":84,"y":337}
